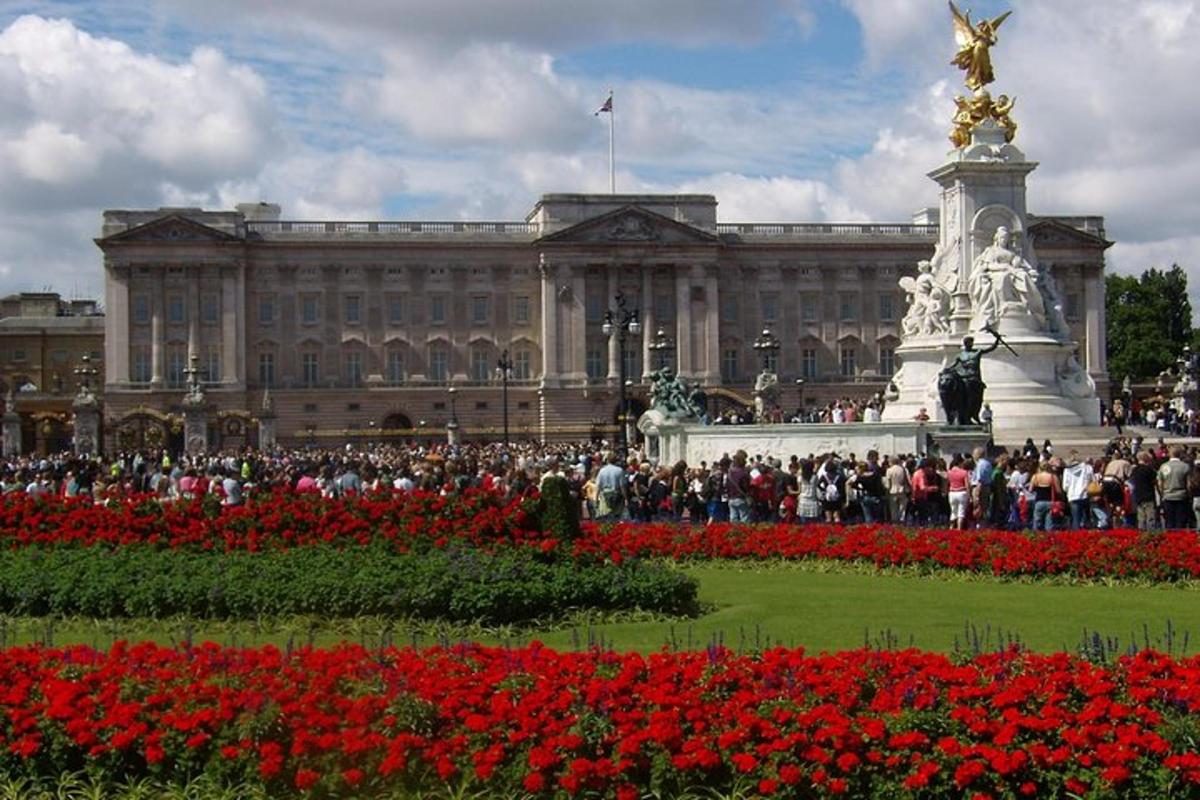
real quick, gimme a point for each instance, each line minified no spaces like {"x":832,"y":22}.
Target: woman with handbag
{"x":1047,"y":491}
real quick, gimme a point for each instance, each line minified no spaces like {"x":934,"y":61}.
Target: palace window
{"x":1071,"y":306}
{"x":176,"y":315}
{"x":210,"y":306}
{"x":354,"y":368}
{"x":594,"y":309}
{"x":352,"y":306}
{"x":480,"y":365}
{"x":141,"y":309}
{"x":522,"y":365}
{"x":847,"y":307}
{"x":808,"y":307}
{"x":772,"y":359}
{"x":521,"y":309}
{"x":140,"y":364}
{"x":479,"y":310}
{"x":437,"y":310}
{"x":176,"y":364}
{"x":439,"y":361}
{"x":887,"y":361}
{"x":664,"y":307}
{"x":770,"y":306}
{"x":210,"y":363}
{"x":266,"y":309}
{"x":595,"y":364}
{"x":849,"y":362}
{"x":310,"y":369}
{"x":808,"y":363}
{"x":395,"y":309}
{"x":632,"y":368}
{"x":310,"y":309}
{"x":729,"y":307}
{"x":266,"y":369}
{"x":887,"y":308}
{"x":395,"y":367}
{"x":729,"y":365}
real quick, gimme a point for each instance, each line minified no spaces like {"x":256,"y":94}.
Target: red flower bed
{"x":267,"y":521}
{"x":1172,"y":555}
{"x":482,"y":519}
{"x":510,"y":722}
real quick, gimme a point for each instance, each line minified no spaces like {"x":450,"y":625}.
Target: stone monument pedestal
{"x":195,"y":428}
{"x":87,"y":426}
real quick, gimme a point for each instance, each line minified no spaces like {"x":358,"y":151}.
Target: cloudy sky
{"x":787,"y":110}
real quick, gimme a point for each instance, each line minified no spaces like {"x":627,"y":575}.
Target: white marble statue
{"x":928,"y":304}
{"x":766,"y":393}
{"x":1005,"y":284}
{"x":1074,"y":380}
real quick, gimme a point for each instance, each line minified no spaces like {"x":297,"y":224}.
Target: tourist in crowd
{"x":958,"y":486}
{"x":1047,"y":493}
{"x":1143,"y":485}
{"x":1173,"y":489}
{"x":1077,"y":476}
{"x":737,"y":489}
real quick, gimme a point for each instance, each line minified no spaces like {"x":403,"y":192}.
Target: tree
{"x":1149,"y":322}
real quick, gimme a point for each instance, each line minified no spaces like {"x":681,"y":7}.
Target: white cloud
{"x":484,"y":94}
{"x":531,"y":23}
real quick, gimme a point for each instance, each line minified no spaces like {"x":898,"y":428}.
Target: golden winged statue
{"x":974,"y":42}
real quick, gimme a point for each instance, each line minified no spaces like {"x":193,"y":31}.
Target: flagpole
{"x":612,"y":152}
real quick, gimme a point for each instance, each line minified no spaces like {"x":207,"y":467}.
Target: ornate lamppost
{"x":622,"y":323}
{"x":504,"y":367}
{"x":800,"y":398}
{"x":767,"y":346}
{"x":663,"y":348}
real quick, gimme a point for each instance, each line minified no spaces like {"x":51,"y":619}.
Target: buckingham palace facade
{"x":373,"y":330}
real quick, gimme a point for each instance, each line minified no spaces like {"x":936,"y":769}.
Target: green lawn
{"x":752,"y":606}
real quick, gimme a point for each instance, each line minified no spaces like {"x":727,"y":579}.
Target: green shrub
{"x":458,"y":584}
{"x":558,"y":509}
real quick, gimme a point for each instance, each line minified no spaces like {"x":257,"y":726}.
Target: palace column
{"x":116,"y":326}
{"x":1093,"y":309}
{"x":578,"y":357}
{"x":648,"y":321}
{"x":685,"y":365}
{"x":712,"y":329}
{"x":550,"y":337}
{"x":614,"y":347}
{"x":193,"y":312}
{"x":229,"y":325}
{"x":156,"y":330}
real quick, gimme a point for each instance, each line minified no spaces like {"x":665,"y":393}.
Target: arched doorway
{"x":397,"y":421}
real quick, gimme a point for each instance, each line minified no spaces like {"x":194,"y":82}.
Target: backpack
{"x":832,"y":495}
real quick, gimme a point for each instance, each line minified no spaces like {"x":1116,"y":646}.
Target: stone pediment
{"x":171,"y":229}
{"x":631,"y":225}
{"x":1050,"y":232}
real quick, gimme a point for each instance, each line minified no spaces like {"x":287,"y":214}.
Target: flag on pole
{"x":607,"y":107}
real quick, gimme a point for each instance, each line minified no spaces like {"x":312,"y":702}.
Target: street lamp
{"x":663,"y":348}
{"x":800,"y":398}
{"x":767,"y":346}
{"x":504,"y":368}
{"x":84,"y":373}
{"x":622,"y":323}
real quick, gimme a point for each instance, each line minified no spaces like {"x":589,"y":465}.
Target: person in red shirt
{"x":926,"y":490}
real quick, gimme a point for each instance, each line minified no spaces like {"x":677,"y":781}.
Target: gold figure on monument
{"x":974,"y":43}
{"x":974,"y":57}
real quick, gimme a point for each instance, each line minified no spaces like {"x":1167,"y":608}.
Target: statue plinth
{"x":985,"y":274}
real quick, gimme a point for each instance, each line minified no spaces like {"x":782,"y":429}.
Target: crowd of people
{"x":1132,"y":485}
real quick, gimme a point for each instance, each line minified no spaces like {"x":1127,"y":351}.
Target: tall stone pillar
{"x":614,"y":347}
{"x":712,"y":329}
{"x":157,"y":334}
{"x":550,"y":337}
{"x":11,"y":424}
{"x":685,"y":363}
{"x":650,"y":322}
